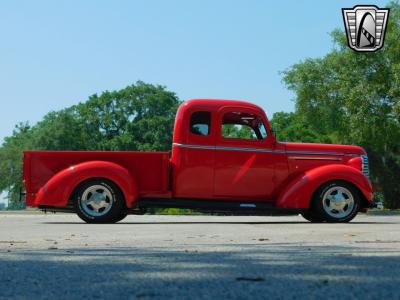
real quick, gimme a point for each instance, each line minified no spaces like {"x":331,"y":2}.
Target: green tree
{"x":354,"y":98}
{"x":139,"y":117}
{"x":238,"y":131}
{"x":292,"y":127}
{"x":11,"y":161}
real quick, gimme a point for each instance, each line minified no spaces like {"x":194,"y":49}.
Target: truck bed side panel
{"x":150,"y":169}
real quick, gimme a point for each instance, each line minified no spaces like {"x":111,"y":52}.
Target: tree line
{"x":139,"y":117}
{"x":344,"y":97}
{"x":352,"y":98}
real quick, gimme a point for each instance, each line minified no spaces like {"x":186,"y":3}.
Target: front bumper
{"x":374,"y":204}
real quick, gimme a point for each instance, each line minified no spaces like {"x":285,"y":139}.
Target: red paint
{"x":298,"y":192}
{"x":244,"y":169}
{"x":202,"y":166}
{"x":51,"y":176}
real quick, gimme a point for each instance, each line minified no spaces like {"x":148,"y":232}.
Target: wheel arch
{"x":363,"y":199}
{"x":61,"y":187}
{"x":300,"y":190}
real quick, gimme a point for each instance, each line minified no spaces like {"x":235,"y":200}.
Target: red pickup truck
{"x":225,"y":158}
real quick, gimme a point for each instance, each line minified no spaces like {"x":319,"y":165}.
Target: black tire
{"x":108,"y":195}
{"x":345,"y":193}
{"x":312,"y":217}
{"x":122,"y":216}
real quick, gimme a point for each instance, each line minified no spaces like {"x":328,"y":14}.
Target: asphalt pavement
{"x":57,"y":256}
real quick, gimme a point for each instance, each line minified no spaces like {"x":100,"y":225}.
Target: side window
{"x":238,"y":131}
{"x":239,"y":125}
{"x":200,"y":123}
{"x":261,"y":128}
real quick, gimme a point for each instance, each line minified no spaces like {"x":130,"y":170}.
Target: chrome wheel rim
{"x":338,"y":202}
{"x":96,"y":200}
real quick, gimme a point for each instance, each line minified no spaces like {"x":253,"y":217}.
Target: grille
{"x":365,"y":165}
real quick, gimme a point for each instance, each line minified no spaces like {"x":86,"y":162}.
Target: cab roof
{"x":216,"y":104}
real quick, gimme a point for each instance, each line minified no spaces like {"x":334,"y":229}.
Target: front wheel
{"x":336,"y":201}
{"x":99,"y":201}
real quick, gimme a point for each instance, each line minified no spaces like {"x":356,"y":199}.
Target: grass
{"x":383,"y":212}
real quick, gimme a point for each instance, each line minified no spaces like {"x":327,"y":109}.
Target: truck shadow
{"x":212,"y":222}
{"x":186,"y":272}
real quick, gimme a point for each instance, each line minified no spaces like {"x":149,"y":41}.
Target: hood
{"x":337,"y":149}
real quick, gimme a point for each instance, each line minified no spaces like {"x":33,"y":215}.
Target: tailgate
{"x":26,"y":178}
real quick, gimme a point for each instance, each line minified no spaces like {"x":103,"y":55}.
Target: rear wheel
{"x":312,"y":217}
{"x":336,"y":201}
{"x":99,"y":201}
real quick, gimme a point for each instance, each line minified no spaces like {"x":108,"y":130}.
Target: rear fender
{"x":298,"y":193}
{"x":58,"y":190}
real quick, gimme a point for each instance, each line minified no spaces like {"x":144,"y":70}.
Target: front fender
{"x":298,"y":193}
{"x":57,"y":191}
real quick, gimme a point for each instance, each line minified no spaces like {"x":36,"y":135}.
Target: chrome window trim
{"x":194,"y":146}
{"x":314,"y":152}
{"x":228,"y":148}
{"x":314,"y":158}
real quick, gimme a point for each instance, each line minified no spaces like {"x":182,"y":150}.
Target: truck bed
{"x":149,"y":169}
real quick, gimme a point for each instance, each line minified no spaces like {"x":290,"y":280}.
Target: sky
{"x":54,"y":54}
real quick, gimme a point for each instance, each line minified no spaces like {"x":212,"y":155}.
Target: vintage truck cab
{"x":225,"y":158}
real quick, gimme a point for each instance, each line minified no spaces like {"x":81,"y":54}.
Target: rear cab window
{"x":200,"y":122}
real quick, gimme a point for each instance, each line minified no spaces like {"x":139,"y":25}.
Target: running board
{"x":203,"y":205}
{"x":218,"y":206}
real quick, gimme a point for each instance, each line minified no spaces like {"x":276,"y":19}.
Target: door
{"x":244,"y":156}
{"x":194,"y":159}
